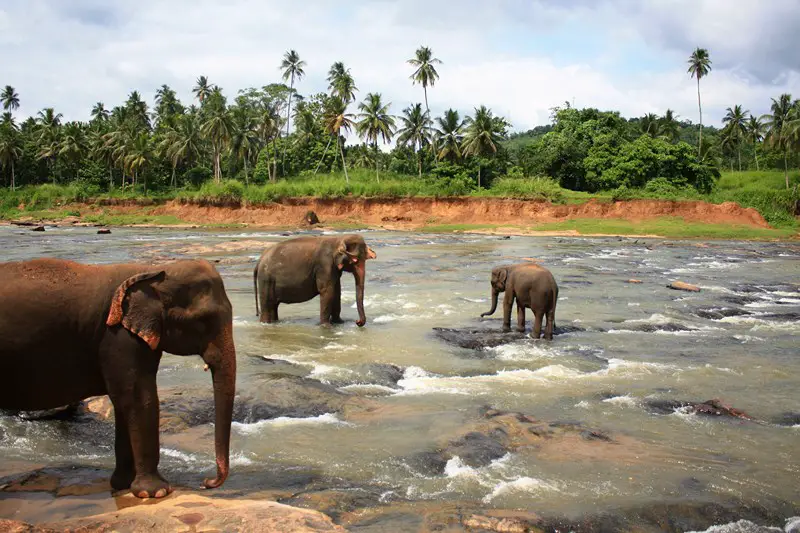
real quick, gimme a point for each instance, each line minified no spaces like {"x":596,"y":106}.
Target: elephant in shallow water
{"x":532,"y":286}
{"x":297,"y":270}
{"x":69,"y":331}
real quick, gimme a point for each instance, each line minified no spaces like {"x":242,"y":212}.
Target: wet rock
{"x":104,"y":231}
{"x":780,"y":317}
{"x":99,"y":406}
{"x":480,"y":522}
{"x":683,"y":286}
{"x":713,"y":407}
{"x":191,"y":512}
{"x":311,"y":218}
{"x":478,"y":449}
{"x":788,"y":418}
{"x":741,"y":300}
{"x":37,"y":228}
{"x":385,"y":374}
{"x":336,"y":501}
{"x":669,"y":326}
{"x":64,"y":412}
{"x":482,"y":338}
{"x":634,"y":281}
{"x":283,"y":367}
{"x":717,"y":313}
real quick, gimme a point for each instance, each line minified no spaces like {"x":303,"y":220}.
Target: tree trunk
{"x":344,"y":165}
{"x":419,"y":160}
{"x":479,"y":176}
{"x":323,"y":155}
{"x":700,"y":108}
{"x":275,"y":160}
{"x":739,"y":156}
{"x":172,"y":181}
{"x":377,"y":164}
{"x":785,"y":169}
{"x":110,"y":178}
{"x":245,"y":171}
{"x":755,"y":154}
{"x":13,"y":184}
{"x":217,"y":169}
{"x":288,"y":115}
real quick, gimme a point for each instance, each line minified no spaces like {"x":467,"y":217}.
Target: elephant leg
{"x":551,"y":324}
{"x":273,"y":312}
{"x":267,"y":297}
{"x":336,"y":306}
{"x":125,"y":470}
{"x":537,"y":323}
{"x":326,"y":297}
{"x":508,"y":302}
{"x":520,"y":318}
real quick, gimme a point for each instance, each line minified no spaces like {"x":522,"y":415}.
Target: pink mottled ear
{"x":143,"y":314}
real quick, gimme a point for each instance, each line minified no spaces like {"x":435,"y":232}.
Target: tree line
{"x":275,"y":132}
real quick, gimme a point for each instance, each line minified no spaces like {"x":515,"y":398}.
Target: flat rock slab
{"x":481,"y":338}
{"x":191,"y":512}
{"x":683,"y":286}
{"x":713,"y":407}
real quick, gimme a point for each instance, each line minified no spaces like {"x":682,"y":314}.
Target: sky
{"x":518,"y":57}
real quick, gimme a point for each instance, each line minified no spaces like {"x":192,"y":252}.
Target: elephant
{"x":532,"y":286}
{"x":69,"y":331}
{"x":297,"y":270}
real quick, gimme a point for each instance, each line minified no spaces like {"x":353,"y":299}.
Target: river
{"x":625,"y":351}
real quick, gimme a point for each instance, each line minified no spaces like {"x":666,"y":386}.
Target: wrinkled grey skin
{"x":297,"y":270}
{"x":532,"y":286}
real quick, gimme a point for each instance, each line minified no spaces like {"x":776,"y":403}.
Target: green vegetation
{"x":273,"y":142}
{"x":674,"y":227}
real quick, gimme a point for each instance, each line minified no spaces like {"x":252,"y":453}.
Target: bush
{"x":622,"y":193}
{"x":197,"y":176}
{"x":229,"y":191}
{"x":529,"y":188}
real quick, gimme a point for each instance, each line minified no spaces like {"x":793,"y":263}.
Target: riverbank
{"x":502,"y":216}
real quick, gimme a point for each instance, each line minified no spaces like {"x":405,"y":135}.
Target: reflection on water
{"x":631,"y":344}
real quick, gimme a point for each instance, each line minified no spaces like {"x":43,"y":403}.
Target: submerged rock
{"x":788,"y":418}
{"x":713,"y":407}
{"x":717,"y":313}
{"x":481,"y":338}
{"x":104,"y":231}
{"x":37,"y":228}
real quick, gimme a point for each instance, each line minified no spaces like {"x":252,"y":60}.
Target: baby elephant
{"x":532,"y":286}
{"x":297,"y":270}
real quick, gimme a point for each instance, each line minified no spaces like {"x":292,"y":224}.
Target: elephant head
{"x":182,"y":308}
{"x":351,"y":255}
{"x":498,"y":282}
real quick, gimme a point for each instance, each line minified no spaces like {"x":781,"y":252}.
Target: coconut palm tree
{"x":375,"y":121}
{"x":292,"y":67}
{"x":336,"y":118}
{"x":202,"y":89}
{"x":10,"y":150}
{"x":181,"y":144}
{"x":649,"y":125}
{"x":168,"y":107}
{"x":755,"y":134}
{"x":136,"y":110}
{"x":735,"y":120}
{"x":699,"y":67}
{"x":138,"y":157}
{"x":482,"y":135}
{"x":449,"y":135}
{"x":669,"y":127}
{"x":10,"y":98}
{"x":779,"y":127}
{"x":101,"y":152}
{"x":48,"y":124}
{"x":415,"y":131}
{"x":425,"y":73}
{"x":305,"y":123}
{"x":217,"y":127}
{"x":99,"y":113}
{"x":341,"y":83}
{"x":244,"y":138}
{"x":72,"y":143}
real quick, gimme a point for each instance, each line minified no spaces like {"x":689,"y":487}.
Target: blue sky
{"x":519,"y":57}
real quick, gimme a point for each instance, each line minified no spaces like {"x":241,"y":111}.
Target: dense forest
{"x":274,"y":132}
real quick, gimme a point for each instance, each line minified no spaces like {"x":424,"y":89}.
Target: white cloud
{"x":70,"y":55}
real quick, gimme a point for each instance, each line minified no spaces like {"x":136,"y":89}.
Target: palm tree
{"x":10,"y":149}
{"x":449,"y":135}
{"x":292,"y":67}
{"x":699,"y":67}
{"x":755,"y":134}
{"x":102,"y":153}
{"x":668,"y":126}
{"x":202,"y":89}
{"x":482,"y":135}
{"x":375,"y":121}
{"x":72,"y":143}
{"x":341,"y":83}
{"x":136,"y":110}
{"x":779,"y":127}
{"x":425,"y":73}
{"x":735,"y":120}
{"x":244,"y":139}
{"x":99,"y":112}
{"x":415,"y":131}
{"x":167,"y":106}
{"x":49,"y":129}
{"x":649,"y":125}
{"x":305,"y":123}
{"x":10,"y":98}
{"x":139,"y":156}
{"x":335,"y":119}
{"x":217,"y":127}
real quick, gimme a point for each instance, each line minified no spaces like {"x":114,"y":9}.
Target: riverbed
{"x":627,"y":363}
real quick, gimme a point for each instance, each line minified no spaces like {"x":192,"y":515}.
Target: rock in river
{"x":683,"y":286}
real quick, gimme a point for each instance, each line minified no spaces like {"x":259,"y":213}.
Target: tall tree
{"x":48,"y":124}
{"x":168,"y":107}
{"x":72,"y":143}
{"x":425,"y":73}
{"x":341,"y":83}
{"x":779,"y":127}
{"x":10,"y":150}
{"x":415,"y":131}
{"x":449,"y":135}
{"x":374,"y":122}
{"x":103,"y":153}
{"x":699,"y":67}
{"x":735,"y":120}
{"x":292,"y":67}
{"x":649,"y":125}
{"x":482,"y":135}
{"x":99,"y":113}
{"x":217,"y":128}
{"x":138,"y":157}
{"x":669,"y":127}
{"x":244,"y":138}
{"x":755,"y":134}
{"x":202,"y":89}
{"x":10,"y":98}
{"x":136,"y":111}
{"x":336,"y":118}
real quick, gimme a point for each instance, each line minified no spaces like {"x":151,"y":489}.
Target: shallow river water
{"x":624,"y":349}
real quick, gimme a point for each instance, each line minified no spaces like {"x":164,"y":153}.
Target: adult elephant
{"x":297,"y":270}
{"x":69,"y":331}
{"x":532,"y":286}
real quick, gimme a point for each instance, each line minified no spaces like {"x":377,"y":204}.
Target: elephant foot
{"x":150,"y":486}
{"x":520,"y":330}
{"x":337,"y":320}
{"x":122,"y":478}
{"x":506,"y":329}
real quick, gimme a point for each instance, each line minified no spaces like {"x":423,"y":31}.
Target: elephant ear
{"x":346,"y":251}
{"x":137,"y":305}
{"x":502,"y":276}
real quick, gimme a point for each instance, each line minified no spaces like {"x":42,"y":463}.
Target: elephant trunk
{"x":360,"y":273}
{"x":220,"y":357}
{"x":491,"y":311}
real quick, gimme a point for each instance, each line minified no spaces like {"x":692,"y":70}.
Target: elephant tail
{"x":255,"y":286}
